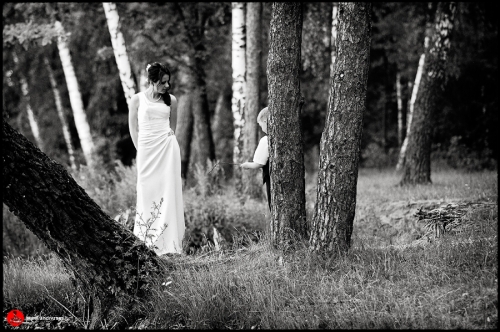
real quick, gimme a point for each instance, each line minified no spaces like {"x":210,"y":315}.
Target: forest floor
{"x":421,"y":257}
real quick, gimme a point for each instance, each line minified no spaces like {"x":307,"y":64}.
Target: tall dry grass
{"x":445,"y":284}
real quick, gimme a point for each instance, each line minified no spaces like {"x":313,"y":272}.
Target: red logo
{"x":15,"y":317}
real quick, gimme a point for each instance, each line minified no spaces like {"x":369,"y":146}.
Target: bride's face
{"x":162,"y":85}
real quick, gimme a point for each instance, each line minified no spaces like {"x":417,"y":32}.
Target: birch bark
{"x":238,"y":65}
{"x":60,"y":113}
{"x":75,"y":97}
{"x":120,"y":50}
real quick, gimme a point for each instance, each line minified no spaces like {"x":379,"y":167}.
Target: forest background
{"x":464,"y":126}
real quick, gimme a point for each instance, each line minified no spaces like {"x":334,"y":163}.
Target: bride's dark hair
{"x":155,"y":73}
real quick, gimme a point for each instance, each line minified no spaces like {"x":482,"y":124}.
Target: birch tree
{"x":417,"y":166}
{"x":399,"y":99}
{"x":60,"y":113}
{"x":286,"y":155}
{"x":409,"y":114}
{"x":75,"y":97}
{"x":340,"y":143}
{"x":238,"y":65}
{"x":35,"y":129}
{"x":120,"y":50}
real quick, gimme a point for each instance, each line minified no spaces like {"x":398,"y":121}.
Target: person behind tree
{"x":152,"y":122}
{"x":261,"y":155}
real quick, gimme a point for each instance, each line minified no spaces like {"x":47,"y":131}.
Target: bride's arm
{"x":173,"y":113}
{"x":133,"y":121}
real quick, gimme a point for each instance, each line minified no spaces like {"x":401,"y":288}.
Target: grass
{"x":382,"y":282}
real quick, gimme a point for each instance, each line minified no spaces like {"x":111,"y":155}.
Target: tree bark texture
{"x":286,"y":155}
{"x":120,"y":50}
{"x":106,"y":259}
{"x":75,"y":97}
{"x":252,"y":181}
{"x":340,"y":143}
{"x":417,"y":166}
{"x":238,"y":65}
{"x":60,"y":113}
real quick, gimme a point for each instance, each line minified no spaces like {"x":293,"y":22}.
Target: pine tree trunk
{"x":340,"y":143}
{"x":238,"y":65}
{"x":75,"y":97}
{"x":417,"y":167}
{"x":400,"y":109}
{"x":106,"y":259}
{"x":120,"y":50}
{"x":252,"y":180}
{"x":286,"y":155}
{"x":60,"y":113}
{"x":184,"y":132}
{"x":223,"y":130}
{"x":203,"y":131}
{"x":409,"y":114}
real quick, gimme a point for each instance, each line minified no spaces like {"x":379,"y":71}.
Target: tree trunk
{"x":238,"y":65}
{"x":185,"y":119}
{"x":417,"y":167}
{"x":252,"y":180}
{"x":120,"y":50}
{"x":286,"y":155}
{"x":340,"y":143}
{"x":75,"y":97}
{"x":223,"y":130}
{"x":409,"y":114}
{"x":333,"y":41}
{"x":31,"y":116}
{"x":400,"y":109}
{"x":111,"y":264}
{"x":203,"y":131}
{"x":60,"y":113}
{"x":184,"y":130}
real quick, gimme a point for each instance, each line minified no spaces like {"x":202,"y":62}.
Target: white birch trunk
{"x":409,"y":115}
{"x":31,"y":116}
{"x":400,"y":108}
{"x":75,"y":97}
{"x":335,"y":8}
{"x":238,"y":68}
{"x":120,"y":50}
{"x":60,"y":113}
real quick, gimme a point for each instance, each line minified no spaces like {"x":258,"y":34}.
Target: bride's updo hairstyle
{"x":155,"y":73}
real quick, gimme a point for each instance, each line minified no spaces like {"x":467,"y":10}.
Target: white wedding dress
{"x":158,"y":180}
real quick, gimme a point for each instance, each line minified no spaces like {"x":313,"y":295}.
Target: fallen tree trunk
{"x":108,"y":261}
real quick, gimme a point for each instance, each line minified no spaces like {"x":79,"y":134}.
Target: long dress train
{"x":160,"y":207}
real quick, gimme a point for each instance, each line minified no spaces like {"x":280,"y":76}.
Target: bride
{"x":159,"y":220}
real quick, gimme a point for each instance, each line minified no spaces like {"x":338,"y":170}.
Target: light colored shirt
{"x":262,"y":152}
